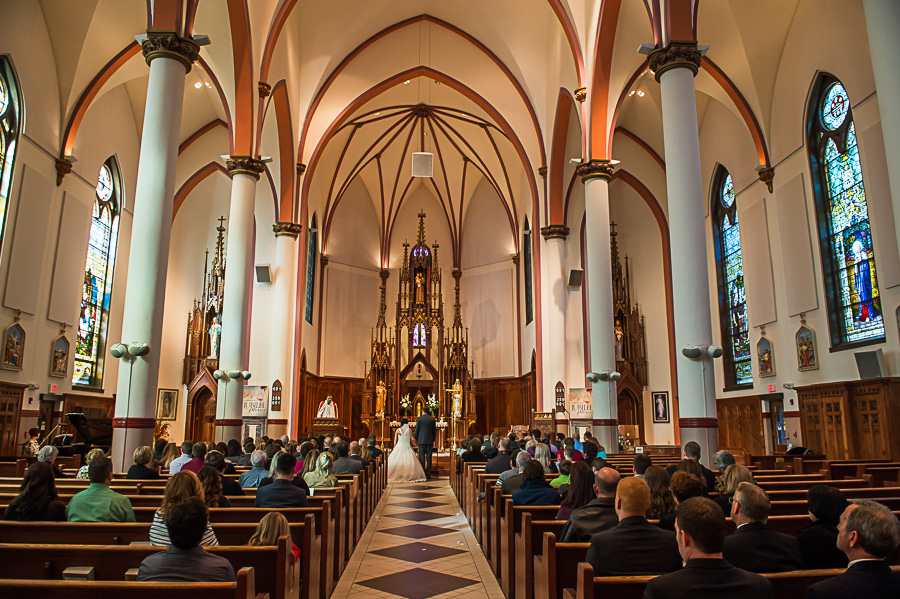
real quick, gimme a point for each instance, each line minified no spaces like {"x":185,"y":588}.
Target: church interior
{"x":657,"y":221}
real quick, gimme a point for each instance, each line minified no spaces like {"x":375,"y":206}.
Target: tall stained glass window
{"x":526,"y":258}
{"x":312,"y":251}
{"x":10,"y":110}
{"x":419,"y":336}
{"x":90,"y":342}
{"x":848,"y":256}
{"x":732,"y":296}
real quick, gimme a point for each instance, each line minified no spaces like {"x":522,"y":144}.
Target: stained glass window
{"x":419,"y":337}
{"x":526,"y":258}
{"x":10,"y":108}
{"x":732,"y":296}
{"x":854,"y":304}
{"x":90,"y":341}
{"x":311,"y":269}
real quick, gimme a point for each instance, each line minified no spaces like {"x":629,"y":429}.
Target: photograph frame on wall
{"x":59,"y":356}
{"x":807,"y":352}
{"x":660,"y":407}
{"x":765,"y":357}
{"x":13,"y":347}
{"x":166,"y":404}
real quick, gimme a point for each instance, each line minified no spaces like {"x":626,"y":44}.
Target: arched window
{"x":312,"y":252}
{"x":848,"y":256}
{"x":10,"y":120}
{"x":90,"y":342}
{"x":526,"y":258}
{"x":730,"y":274}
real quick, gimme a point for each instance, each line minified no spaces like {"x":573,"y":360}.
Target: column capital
{"x":555,"y":232}
{"x":287,"y":229}
{"x":581,"y":94}
{"x":677,"y":55}
{"x":301,"y":168}
{"x":542,"y":171}
{"x":323,"y":260}
{"x":169,"y":45}
{"x":63,"y":168}
{"x":244,"y":165}
{"x":767,"y":175}
{"x":264,"y":89}
{"x":594,"y":169}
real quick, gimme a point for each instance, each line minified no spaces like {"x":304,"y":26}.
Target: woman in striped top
{"x":181,"y":485}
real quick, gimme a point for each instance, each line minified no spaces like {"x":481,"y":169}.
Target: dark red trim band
{"x":134,"y":422}
{"x":698,"y":422}
{"x":229,"y":422}
{"x":561,"y":422}
{"x":29,"y":413}
{"x":278,"y":421}
{"x":605,"y":422}
{"x":792,"y":414}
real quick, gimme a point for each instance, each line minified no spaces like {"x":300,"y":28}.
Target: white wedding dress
{"x":403,"y":463}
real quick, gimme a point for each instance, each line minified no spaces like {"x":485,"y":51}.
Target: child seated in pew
{"x":183,"y":486}
{"x":271,"y":527}
{"x":38,"y":499}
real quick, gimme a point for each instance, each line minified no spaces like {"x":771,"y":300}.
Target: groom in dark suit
{"x":425,"y":433}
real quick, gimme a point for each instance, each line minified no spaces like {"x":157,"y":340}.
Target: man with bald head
{"x":596,"y":516}
{"x":634,"y":547}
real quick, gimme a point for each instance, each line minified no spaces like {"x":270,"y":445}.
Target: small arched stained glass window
{"x":104,"y":184}
{"x":10,"y":109}
{"x":835,"y":106}
{"x":311,"y":253}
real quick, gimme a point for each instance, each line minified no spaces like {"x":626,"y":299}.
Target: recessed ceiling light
{"x":377,"y":113}
{"x":640,"y":93}
{"x":198,"y":85}
{"x":209,"y":85}
{"x":406,"y":82}
{"x":631,"y":93}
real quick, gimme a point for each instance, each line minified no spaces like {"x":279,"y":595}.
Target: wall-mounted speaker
{"x":871,"y":364}
{"x":576,"y":275}
{"x":422,"y":164}
{"x":263,"y":273}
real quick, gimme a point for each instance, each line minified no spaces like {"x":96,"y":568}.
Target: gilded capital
{"x":63,"y":168}
{"x":301,"y":168}
{"x":581,"y":94}
{"x":323,"y":260}
{"x":264,"y":89}
{"x":169,"y":45}
{"x":677,"y":55}
{"x":542,"y":171}
{"x":767,"y":175}
{"x":244,"y":165}
{"x":593,"y":169}
{"x":555,"y":231}
{"x":287,"y":229}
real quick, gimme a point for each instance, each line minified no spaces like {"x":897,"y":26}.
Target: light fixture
{"x":406,"y":82}
{"x":377,"y":113}
{"x":640,"y":93}
{"x":694,"y":352}
{"x":118,"y":350}
{"x":603,"y":375}
{"x":198,"y":85}
{"x":631,"y":93}
{"x":138,"y":349}
{"x":218,"y":374}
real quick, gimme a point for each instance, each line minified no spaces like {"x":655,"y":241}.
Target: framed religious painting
{"x":166,"y":404}
{"x":59,"y":356}
{"x":660,"y":407}
{"x":807,"y":356}
{"x":765,"y":355}
{"x":13,"y":347}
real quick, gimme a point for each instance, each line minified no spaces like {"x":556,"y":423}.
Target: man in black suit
{"x":754,"y":546}
{"x":691,"y":451}
{"x":700,"y":531}
{"x":868,"y":532}
{"x":598,"y":515}
{"x":345,"y":464}
{"x":499,"y":463}
{"x":634,"y":547}
{"x":425,"y":434}
{"x":282,"y":492}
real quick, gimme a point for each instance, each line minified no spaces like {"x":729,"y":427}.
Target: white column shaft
{"x":554,"y":321}
{"x":283,"y":327}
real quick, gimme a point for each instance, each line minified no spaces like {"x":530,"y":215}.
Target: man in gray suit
{"x":425,"y":433}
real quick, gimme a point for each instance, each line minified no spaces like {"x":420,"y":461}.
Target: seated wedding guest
{"x":573,"y":454}
{"x":281,"y":492}
{"x":186,"y":560}
{"x":868,"y":533}
{"x":273,"y":526}
{"x":691,"y":451}
{"x":31,"y":447}
{"x":230,"y":487}
{"x":302,"y":451}
{"x":309,"y":464}
{"x":590,"y":450}
{"x":181,"y":487}
{"x":363,"y":449}
{"x":565,"y":468}
{"x":512,"y":484}
{"x":83,"y":471}
{"x":683,"y":486}
{"x":48,"y":454}
{"x":598,"y":515}
{"x":159,"y":446}
{"x":634,"y":547}
{"x":322,"y":476}
{"x":700,"y":531}
{"x":728,"y":483}
{"x":530,"y":445}
{"x":694,"y":468}
{"x":251,"y":478}
{"x":297,"y":480}
{"x":99,"y":503}
{"x":723,"y":459}
{"x":38,"y":499}
{"x":345,"y":464}
{"x":491,"y":446}
{"x":597,"y":464}
{"x":542,"y":455}
{"x":198,"y":452}
{"x":818,"y":541}
{"x":662,"y":503}
{"x":169,"y":454}
{"x":473,"y":455}
{"x":754,"y":546}
{"x":374,"y":451}
{"x":139,"y":470}
{"x":244,"y":460}
{"x":356,"y":454}
{"x":183,"y":459}
{"x":640,"y":464}
{"x":234,"y":452}
{"x":534,"y":489}
{"x":211,"y":482}
{"x":499,"y":463}
{"x":548,"y":441}
{"x":579,"y":492}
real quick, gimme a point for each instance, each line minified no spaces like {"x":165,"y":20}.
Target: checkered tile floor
{"x":418,"y":545}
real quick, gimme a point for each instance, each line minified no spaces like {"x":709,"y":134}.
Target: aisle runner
{"x":418,"y":545}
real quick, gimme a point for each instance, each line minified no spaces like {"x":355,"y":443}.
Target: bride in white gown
{"x":403,"y":463}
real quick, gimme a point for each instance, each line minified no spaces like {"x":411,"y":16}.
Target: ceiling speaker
{"x":576,"y":275}
{"x":263,"y":273}
{"x":871,"y":364}
{"x":423,"y":164}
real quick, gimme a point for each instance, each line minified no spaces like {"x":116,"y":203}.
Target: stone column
{"x":234,"y":352}
{"x":596,"y":175}
{"x":675,"y":67}
{"x":283,"y":309}
{"x":170,"y":58}
{"x":883,"y":23}
{"x":554,"y":361}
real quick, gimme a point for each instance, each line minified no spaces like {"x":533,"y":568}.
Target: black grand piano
{"x":90,"y":433}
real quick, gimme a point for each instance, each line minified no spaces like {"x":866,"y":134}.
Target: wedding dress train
{"x":403,"y":463}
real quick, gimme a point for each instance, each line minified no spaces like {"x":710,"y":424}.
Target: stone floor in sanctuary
{"x":418,"y":545}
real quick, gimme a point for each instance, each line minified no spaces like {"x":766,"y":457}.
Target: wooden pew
{"x":556,"y":566}
{"x":243,"y":588}
{"x":510,"y":524}
{"x":528,"y":545}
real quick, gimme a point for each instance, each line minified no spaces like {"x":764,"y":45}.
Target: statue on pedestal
{"x":215,"y":336}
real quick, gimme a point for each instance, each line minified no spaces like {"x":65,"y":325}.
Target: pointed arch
{"x":193,"y":181}
{"x":12,"y":111}
{"x":565,"y":105}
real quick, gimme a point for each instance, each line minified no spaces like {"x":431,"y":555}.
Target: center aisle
{"x":418,"y":545}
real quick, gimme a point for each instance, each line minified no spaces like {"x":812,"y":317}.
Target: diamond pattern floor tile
{"x":417,"y":583}
{"x":417,"y":516}
{"x":418,"y":531}
{"x":418,"y":552}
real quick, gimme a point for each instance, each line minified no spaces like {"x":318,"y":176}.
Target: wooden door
{"x":10,"y":405}
{"x":740,"y":424}
{"x":776,"y":418}
{"x":834,"y":425}
{"x":869,"y":430}
{"x":203,"y":417}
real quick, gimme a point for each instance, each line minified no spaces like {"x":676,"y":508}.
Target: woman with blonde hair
{"x":309,"y":463}
{"x":364,"y":451}
{"x":322,"y":476}
{"x":181,"y":486}
{"x":140,"y":470}
{"x":728,"y":483}
{"x":171,"y":452}
{"x":542,"y":455}
{"x":273,"y":526}
{"x":83,"y":471}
